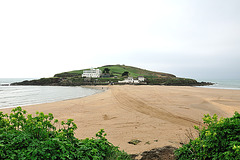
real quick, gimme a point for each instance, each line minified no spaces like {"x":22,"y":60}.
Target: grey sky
{"x":197,"y":39}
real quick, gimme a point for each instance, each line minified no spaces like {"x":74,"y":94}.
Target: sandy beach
{"x":155,"y":115}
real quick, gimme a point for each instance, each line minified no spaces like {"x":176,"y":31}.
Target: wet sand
{"x":156,"y":115}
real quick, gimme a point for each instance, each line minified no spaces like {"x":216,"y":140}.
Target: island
{"x":113,"y":75}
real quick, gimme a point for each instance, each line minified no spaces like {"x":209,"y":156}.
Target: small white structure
{"x":141,"y":78}
{"x":135,"y":81}
{"x":92,"y":73}
{"x":129,"y":80}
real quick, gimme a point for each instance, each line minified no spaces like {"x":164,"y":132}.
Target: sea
{"x":233,"y":84}
{"x":14,"y":96}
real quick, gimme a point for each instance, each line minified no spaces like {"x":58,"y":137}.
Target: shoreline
{"x":156,"y":115}
{"x":225,"y":88}
{"x":102,"y":89}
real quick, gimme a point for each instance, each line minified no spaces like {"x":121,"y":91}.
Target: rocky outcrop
{"x":164,"y":153}
{"x":41,"y":82}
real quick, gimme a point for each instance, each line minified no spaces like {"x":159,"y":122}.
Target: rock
{"x":134,"y":141}
{"x":164,"y":153}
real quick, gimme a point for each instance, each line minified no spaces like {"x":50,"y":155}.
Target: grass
{"x":117,"y":70}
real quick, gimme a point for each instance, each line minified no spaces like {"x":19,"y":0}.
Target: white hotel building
{"x":92,"y":73}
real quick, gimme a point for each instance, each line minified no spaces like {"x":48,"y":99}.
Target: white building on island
{"x":92,"y":73}
{"x":129,"y":80}
{"x":141,"y":78}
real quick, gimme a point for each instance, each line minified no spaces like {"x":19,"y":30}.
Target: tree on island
{"x":106,"y":70}
{"x":126,"y":73}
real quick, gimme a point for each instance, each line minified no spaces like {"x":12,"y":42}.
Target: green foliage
{"x":117,"y":70}
{"x":219,"y":140}
{"x":67,"y":74}
{"x":125,"y":74}
{"x":172,"y":81}
{"x":106,"y":70}
{"x":27,"y":137}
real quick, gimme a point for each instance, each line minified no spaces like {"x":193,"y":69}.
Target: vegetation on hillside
{"x":220,"y":139}
{"x":43,"y":137}
{"x":118,"y":70}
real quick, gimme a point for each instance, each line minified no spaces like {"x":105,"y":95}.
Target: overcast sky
{"x":189,"y":38}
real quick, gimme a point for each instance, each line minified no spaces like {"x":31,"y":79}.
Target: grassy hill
{"x":117,"y":70}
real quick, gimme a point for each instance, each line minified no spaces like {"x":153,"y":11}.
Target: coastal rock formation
{"x":164,"y":153}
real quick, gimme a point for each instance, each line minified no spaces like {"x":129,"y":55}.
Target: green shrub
{"x":28,"y":137}
{"x":41,"y":81}
{"x":219,"y":140}
{"x":67,"y":74}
